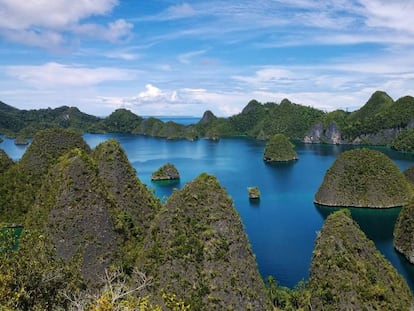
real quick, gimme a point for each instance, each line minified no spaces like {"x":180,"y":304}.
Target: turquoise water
{"x":282,"y":226}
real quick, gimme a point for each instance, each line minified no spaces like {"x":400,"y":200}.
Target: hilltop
{"x":348,"y":273}
{"x":363,"y":178}
{"x":198,"y":250}
{"x":378,"y":122}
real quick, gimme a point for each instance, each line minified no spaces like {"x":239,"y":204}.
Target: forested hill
{"x":378,"y":121}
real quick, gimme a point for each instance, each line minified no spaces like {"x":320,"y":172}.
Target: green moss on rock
{"x":348,"y":273}
{"x":404,"y":232}
{"x":166,"y":172}
{"x":363,"y":178}
{"x":197,"y":249}
{"x":279,"y":149}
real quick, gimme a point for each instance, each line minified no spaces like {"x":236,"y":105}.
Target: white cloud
{"x":180,"y":11}
{"x":57,"y":75}
{"x":397,"y":14}
{"x":186,"y":58}
{"x":36,"y":22}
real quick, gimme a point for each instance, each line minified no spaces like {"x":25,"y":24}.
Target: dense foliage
{"x":379,"y":114}
{"x":279,"y":149}
{"x":348,"y":273}
{"x":363,"y":178}
{"x":404,"y":232}
{"x":404,"y":141}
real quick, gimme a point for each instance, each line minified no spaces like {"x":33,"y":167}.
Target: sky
{"x":181,"y":58}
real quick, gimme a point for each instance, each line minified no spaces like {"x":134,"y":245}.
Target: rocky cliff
{"x":197,"y":249}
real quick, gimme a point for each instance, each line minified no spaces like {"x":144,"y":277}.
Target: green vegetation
{"x":197,"y":249}
{"x":409,"y":174}
{"x":21,"y":182}
{"x":404,"y":141}
{"x":5,"y":161}
{"x":377,"y":122}
{"x":279,"y":149}
{"x":166,"y":172}
{"x":363,"y":178}
{"x":403,"y":232}
{"x":348,"y":273}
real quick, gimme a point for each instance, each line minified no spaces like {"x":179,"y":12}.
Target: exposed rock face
{"x":348,"y":273}
{"x":363,"y":178}
{"x":318,"y":134}
{"x":166,"y":172}
{"x":404,"y":232}
{"x":47,"y":146}
{"x":208,"y":117}
{"x":279,"y":149}
{"x":5,"y":161}
{"x":332,"y":135}
{"x":197,"y":249}
{"x":75,"y":211}
{"x":137,"y":204}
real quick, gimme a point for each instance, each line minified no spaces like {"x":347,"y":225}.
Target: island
{"x":279,"y":149}
{"x":166,"y":172}
{"x":254,"y":193}
{"x":364,"y":178}
{"x":348,"y":273}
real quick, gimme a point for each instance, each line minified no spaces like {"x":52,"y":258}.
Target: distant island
{"x":279,"y":149}
{"x":380,"y":121}
{"x":166,"y":172}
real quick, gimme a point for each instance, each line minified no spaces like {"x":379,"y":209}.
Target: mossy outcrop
{"x":279,"y":149}
{"x":47,"y":146}
{"x":197,"y":250}
{"x":254,"y":193}
{"x":136,"y":206}
{"x":409,"y":174}
{"x":19,"y":185}
{"x":166,"y":172}
{"x":76,"y":213}
{"x":404,"y":232}
{"x":363,"y":178}
{"x":348,"y":273}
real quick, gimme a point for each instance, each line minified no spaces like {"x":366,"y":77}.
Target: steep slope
{"x":279,"y":149}
{"x":363,"y":178}
{"x":348,"y":273}
{"x":197,"y":249}
{"x":76,"y":213}
{"x":19,"y":185}
{"x":136,"y":206}
{"x":404,"y":232}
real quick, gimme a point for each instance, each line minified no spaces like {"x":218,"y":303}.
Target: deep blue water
{"x":282,"y":226}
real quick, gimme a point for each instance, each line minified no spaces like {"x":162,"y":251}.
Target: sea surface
{"x":283,"y":225}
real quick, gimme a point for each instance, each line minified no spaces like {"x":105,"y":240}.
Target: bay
{"x":283,"y":225}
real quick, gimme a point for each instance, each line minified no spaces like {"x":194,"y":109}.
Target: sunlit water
{"x":282,"y":226}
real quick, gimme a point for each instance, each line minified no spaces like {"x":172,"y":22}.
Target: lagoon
{"x":283,"y":225}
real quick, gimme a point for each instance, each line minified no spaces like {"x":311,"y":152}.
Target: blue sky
{"x":182,"y":58}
